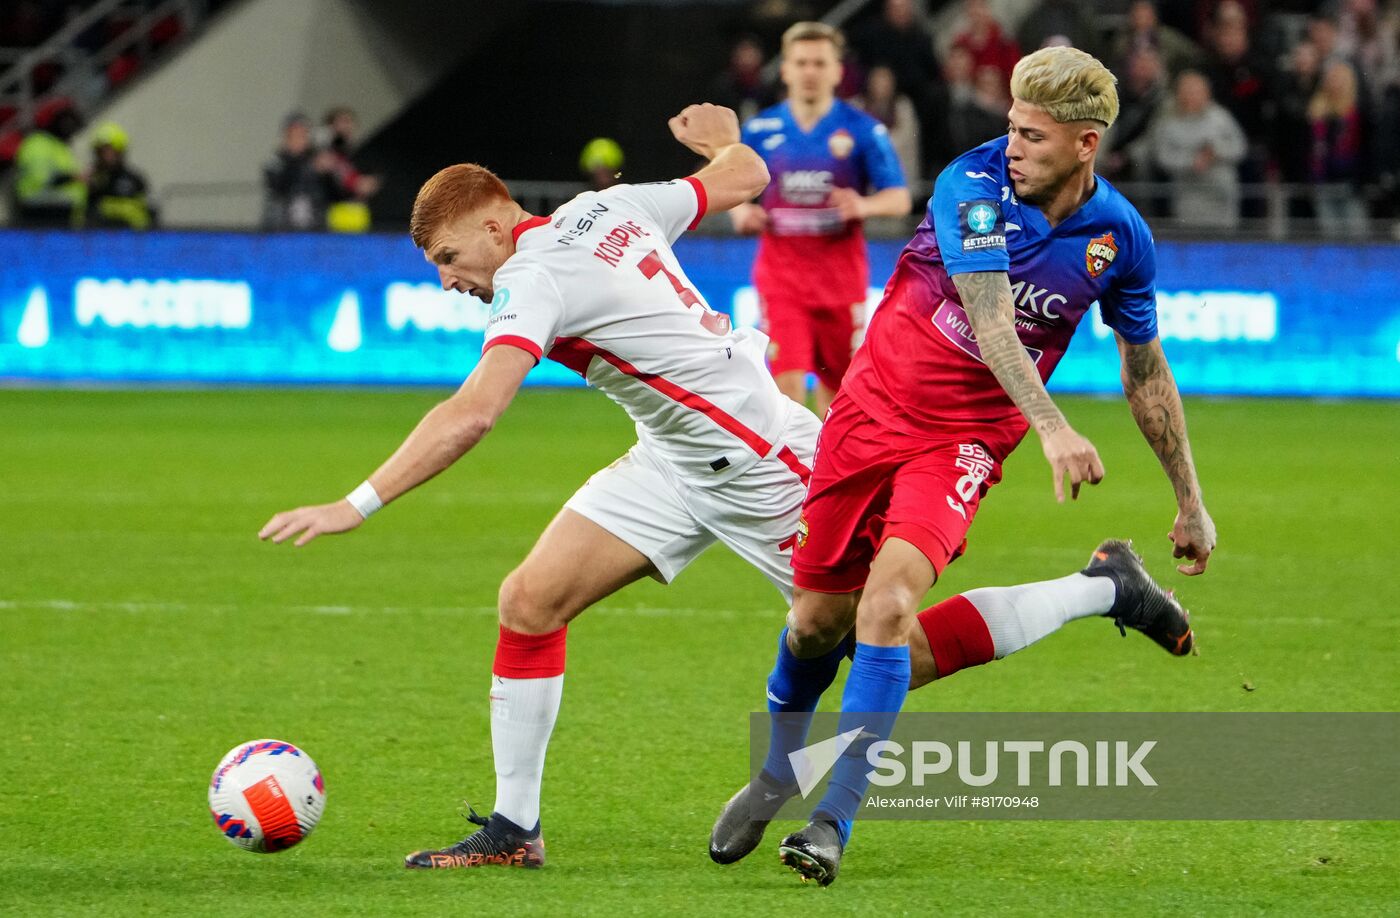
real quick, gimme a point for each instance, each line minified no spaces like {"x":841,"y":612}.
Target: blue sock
{"x":875,"y":691}
{"x":794,"y":688}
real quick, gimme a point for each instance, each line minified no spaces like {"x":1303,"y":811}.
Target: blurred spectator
{"x":1368,"y":39}
{"x":901,"y":41}
{"x":49,"y":188}
{"x":1292,"y":130}
{"x":986,"y":42}
{"x":1206,"y":14}
{"x":117,"y":194}
{"x":1198,"y":145}
{"x":1140,"y":98}
{"x":1239,"y":79}
{"x":741,"y":85}
{"x":1386,"y":83}
{"x":1334,"y":115}
{"x":1242,"y":83}
{"x":1062,"y":22}
{"x":601,"y":160}
{"x":1371,"y":44}
{"x":980,"y":107}
{"x":295,"y":179}
{"x":957,"y":73}
{"x":348,"y":190}
{"x":1326,"y":38}
{"x":1225,"y":13}
{"x":1145,"y":31}
{"x":883,"y":99}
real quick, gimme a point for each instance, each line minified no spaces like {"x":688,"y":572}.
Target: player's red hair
{"x":447,"y":196}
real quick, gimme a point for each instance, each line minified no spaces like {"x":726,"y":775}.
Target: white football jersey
{"x":597,"y":288}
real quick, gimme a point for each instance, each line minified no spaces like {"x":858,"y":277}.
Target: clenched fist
{"x":706,"y":128}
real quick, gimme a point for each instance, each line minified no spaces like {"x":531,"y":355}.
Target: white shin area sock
{"x":1018,"y":616}
{"x":522,"y":717}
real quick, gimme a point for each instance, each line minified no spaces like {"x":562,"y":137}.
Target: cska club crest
{"x":1100,"y":254}
{"x":841,"y":143}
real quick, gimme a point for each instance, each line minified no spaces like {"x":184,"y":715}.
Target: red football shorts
{"x":870,"y":483}
{"x":810,"y":338}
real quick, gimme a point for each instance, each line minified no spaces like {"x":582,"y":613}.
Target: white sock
{"x":1018,"y":616}
{"x":522,"y":717}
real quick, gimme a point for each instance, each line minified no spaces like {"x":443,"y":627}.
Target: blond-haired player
{"x":721,"y":454}
{"x":1020,"y":238}
{"x":833,"y":167}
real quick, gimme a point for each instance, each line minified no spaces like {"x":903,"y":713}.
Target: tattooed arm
{"x":987,"y":300}
{"x":1156,"y":404}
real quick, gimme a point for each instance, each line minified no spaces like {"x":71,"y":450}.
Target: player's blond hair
{"x":450,"y":194}
{"x":1067,"y":84}
{"x":814,"y":31}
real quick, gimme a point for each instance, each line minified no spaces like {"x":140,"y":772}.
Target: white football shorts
{"x":643,"y":502}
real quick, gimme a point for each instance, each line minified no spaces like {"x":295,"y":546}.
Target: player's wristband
{"x":365,"y":499}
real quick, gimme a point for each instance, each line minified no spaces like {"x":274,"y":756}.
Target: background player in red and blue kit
{"x":1021,"y":237}
{"x":811,"y":270}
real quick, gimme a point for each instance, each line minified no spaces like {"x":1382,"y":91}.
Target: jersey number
{"x":714,"y":322}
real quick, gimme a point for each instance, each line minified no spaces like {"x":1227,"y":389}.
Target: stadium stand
{"x":1314,"y":87}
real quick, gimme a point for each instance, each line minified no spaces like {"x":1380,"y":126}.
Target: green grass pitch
{"x":144,"y":631}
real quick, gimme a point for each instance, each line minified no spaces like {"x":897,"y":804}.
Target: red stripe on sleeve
{"x":702,"y":200}
{"x":789,"y":459}
{"x":525,"y":344}
{"x":571,"y":353}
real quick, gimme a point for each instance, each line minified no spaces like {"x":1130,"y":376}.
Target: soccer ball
{"x":266,"y":795}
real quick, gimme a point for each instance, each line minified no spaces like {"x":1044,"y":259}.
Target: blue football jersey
{"x":1102,"y":252}
{"x":845,"y":149}
{"x":920,"y":368}
{"x":808,"y":253}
